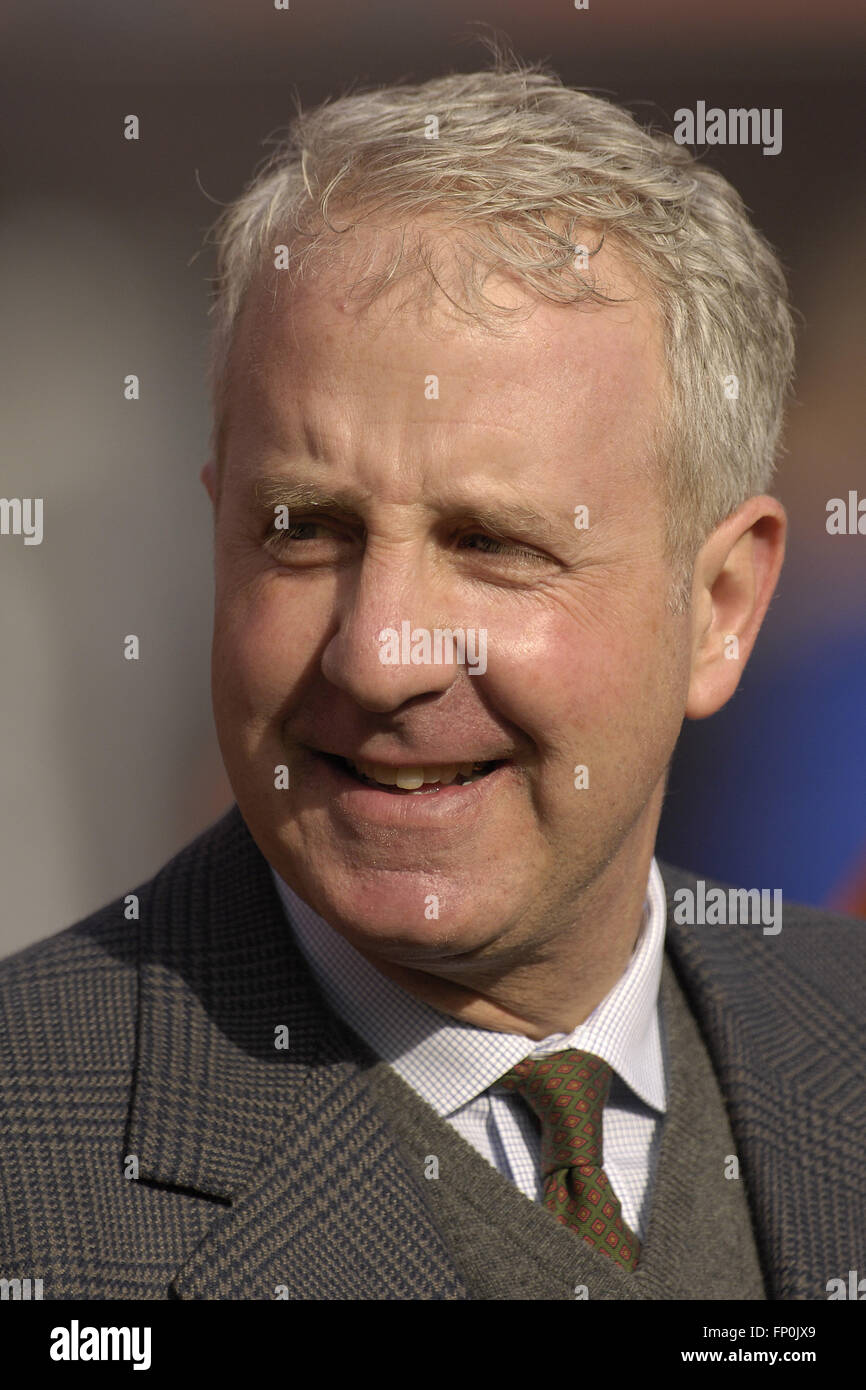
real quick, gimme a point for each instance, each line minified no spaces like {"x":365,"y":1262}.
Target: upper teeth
{"x":410,"y":778}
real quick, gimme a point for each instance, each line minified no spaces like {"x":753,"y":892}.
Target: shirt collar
{"x":449,"y":1063}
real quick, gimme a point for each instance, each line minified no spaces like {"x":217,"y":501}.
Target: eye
{"x":493,"y":545}
{"x":307,"y":540}
{"x":298,"y":531}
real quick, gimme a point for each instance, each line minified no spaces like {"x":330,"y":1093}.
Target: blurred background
{"x":108,"y":766}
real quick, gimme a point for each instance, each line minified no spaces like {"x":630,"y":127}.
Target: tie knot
{"x":568,"y":1091}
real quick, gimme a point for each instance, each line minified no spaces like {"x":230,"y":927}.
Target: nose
{"x":379,"y":654}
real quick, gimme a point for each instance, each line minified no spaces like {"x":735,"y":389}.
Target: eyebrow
{"x":281,"y":492}
{"x":500,"y":518}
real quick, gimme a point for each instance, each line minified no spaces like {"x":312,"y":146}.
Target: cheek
{"x":265,"y":637}
{"x":573,"y":685}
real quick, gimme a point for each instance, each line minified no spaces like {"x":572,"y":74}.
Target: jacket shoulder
{"x":802,"y":919}
{"x":794,"y":957}
{"x":76,"y":989}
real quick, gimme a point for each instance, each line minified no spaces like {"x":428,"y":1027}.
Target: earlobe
{"x":208,"y":477}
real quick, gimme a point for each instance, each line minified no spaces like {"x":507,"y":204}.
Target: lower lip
{"x":356,"y":801}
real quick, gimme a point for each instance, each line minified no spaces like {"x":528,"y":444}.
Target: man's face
{"x":450,"y":511}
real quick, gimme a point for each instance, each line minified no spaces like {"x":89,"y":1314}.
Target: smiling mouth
{"x":413,"y":780}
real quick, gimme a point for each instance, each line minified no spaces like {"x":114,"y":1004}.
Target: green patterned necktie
{"x":568,"y":1091}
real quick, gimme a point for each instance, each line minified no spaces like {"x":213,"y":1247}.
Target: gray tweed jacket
{"x":155,"y":1144}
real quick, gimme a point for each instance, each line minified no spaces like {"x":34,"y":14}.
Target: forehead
{"x":314,"y":356}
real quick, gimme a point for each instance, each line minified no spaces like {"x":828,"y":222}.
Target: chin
{"x":407,"y":917}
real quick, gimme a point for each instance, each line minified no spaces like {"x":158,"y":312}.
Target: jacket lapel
{"x":317,"y":1202}
{"x":331,"y":1214}
{"x":785,"y":1056}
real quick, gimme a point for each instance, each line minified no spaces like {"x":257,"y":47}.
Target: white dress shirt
{"x":453,"y":1065}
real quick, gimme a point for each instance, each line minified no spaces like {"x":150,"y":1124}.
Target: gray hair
{"x":524,"y":171}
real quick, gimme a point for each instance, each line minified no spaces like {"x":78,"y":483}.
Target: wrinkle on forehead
{"x":601,"y":359}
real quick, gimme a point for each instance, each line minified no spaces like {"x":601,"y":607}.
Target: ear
{"x":208,"y":477}
{"x":735,"y":575}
